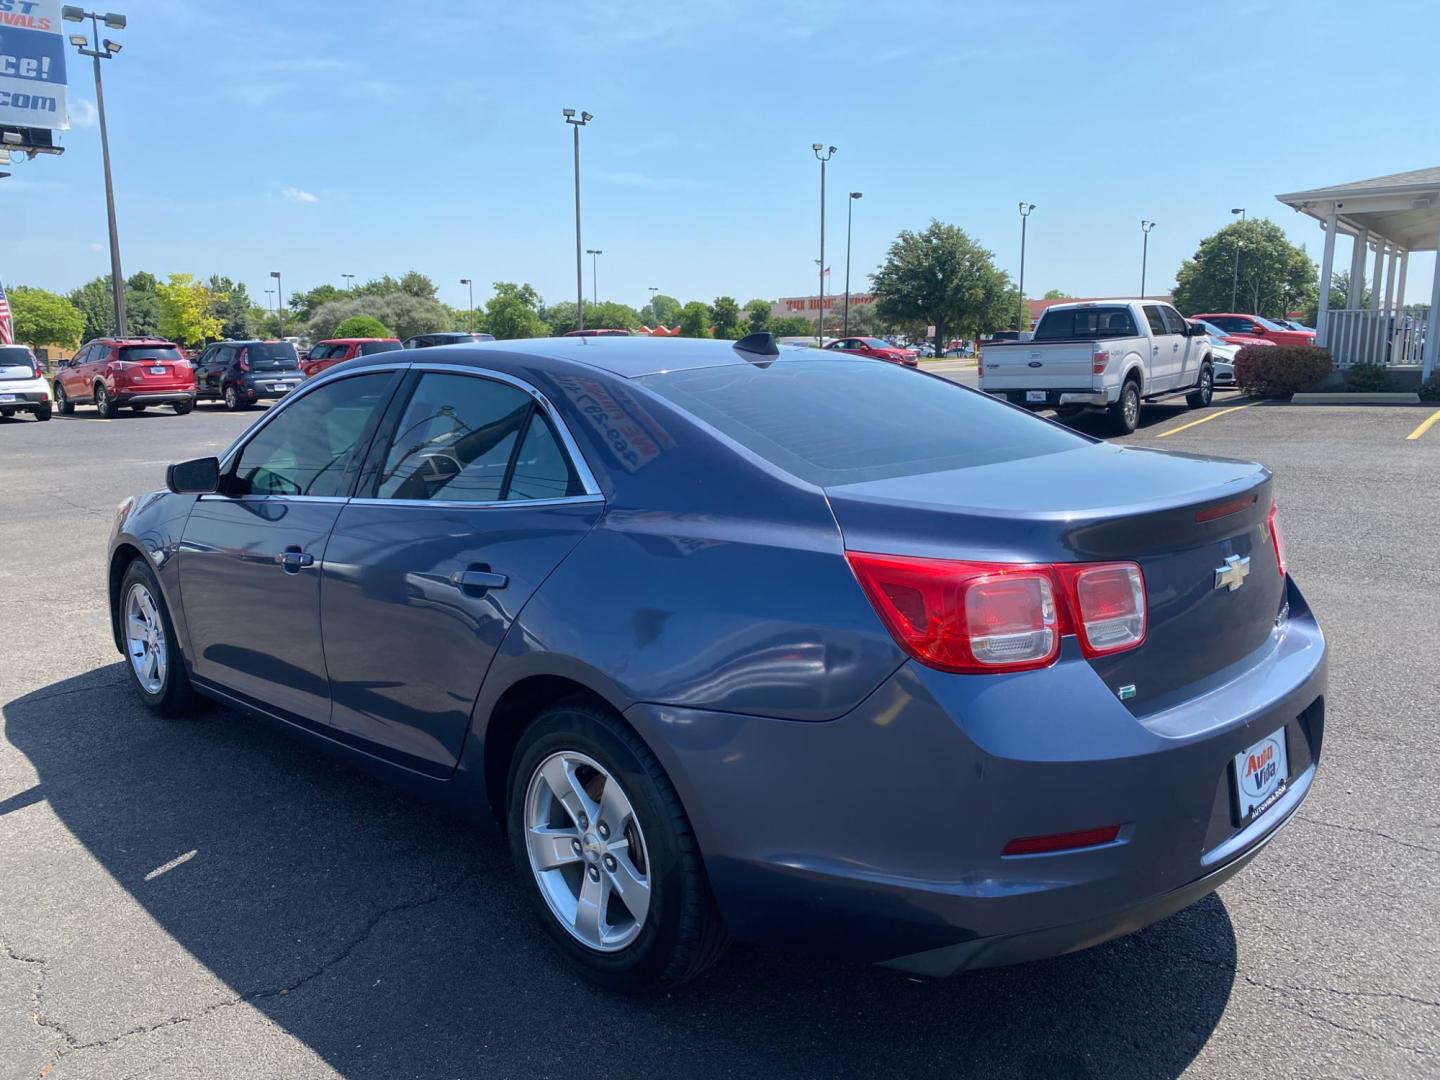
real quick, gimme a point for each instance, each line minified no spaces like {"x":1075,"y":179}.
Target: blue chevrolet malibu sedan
{"x":748,"y":642}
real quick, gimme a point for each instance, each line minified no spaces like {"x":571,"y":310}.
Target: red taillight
{"x":39,"y":371}
{"x":1277,"y":537}
{"x":982,"y":617}
{"x":1069,"y":841}
{"x":243,"y":364}
{"x":1099,"y":360}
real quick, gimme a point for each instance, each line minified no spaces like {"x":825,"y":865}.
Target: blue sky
{"x":321,"y":139}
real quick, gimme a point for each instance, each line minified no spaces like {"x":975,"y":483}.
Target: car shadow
{"x":391,"y":939}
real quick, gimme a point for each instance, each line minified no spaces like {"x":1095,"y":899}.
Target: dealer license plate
{"x":1261,"y":773}
{"x":157,"y":371}
{"x":281,"y":387}
{"x":1034,"y":395}
{"x":8,"y":397}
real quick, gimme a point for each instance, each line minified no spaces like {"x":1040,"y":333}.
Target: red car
{"x":1247,"y":329}
{"x":880,"y":350}
{"x":326,"y":354}
{"x":115,"y":373}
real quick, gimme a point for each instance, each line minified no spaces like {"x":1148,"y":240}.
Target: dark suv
{"x":241,"y":373}
{"x":115,"y":373}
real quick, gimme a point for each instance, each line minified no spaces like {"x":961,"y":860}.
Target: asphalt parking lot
{"x":205,"y":899}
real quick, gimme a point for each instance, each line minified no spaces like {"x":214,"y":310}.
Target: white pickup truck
{"x":1103,"y":356}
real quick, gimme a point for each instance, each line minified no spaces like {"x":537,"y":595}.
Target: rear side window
{"x":1086,"y":322}
{"x":542,"y":469}
{"x":1155,"y":319}
{"x":1175,"y":321}
{"x":133,"y":354}
{"x":835,"y":422}
{"x":1230,"y":324}
{"x":368,"y":347}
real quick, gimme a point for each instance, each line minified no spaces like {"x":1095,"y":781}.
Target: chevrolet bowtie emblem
{"x":1233,"y":574}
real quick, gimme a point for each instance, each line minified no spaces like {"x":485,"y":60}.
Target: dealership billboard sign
{"x":32,"y":64}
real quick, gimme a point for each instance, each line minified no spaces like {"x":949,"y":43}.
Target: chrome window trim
{"x":490,"y":504}
{"x":215,"y":496}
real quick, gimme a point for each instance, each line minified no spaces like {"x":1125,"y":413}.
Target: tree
{"x":661,"y":311}
{"x":45,"y":318}
{"x":142,"y":305}
{"x":695,"y":319}
{"x":607,"y":314}
{"x":230,"y":303}
{"x":417,"y":284}
{"x":305,"y":304}
{"x":1274,"y":275}
{"x":1057,"y":294}
{"x":185,"y":305}
{"x":725,"y":317}
{"x":361,"y":326}
{"x":405,"y":314}
{"x":1339,"y":296}
{"x":791,"y":326}
{"x":943,"y":278}
{"x":757,"y":316}
{"x":514,"y":312}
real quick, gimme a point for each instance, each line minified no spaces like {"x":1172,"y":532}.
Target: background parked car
{"x":599,"y":332}
{"x":1228,"y":337}
{"x":22,"y":383}
{"x":326,"y":354}
{"x":1259,"y":328}
{"x":873,"y":347}
{"x":113,"y":373}
{"x":241,"y":373}
{"x":447,"y":337}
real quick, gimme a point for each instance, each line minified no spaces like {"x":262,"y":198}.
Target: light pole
{"x":1025,"y":208}
{"x":817,"y":147}
{"x":349,"y":281}
{"x":1235,"y":277}
{"x":279,"y":301}
{"x":270,"y":301}
{"x":1145,"y":227}
{"x":103,"y":51}
{"x":584,"y":119}
{"x":849,"y":221}
{"x":471,"y":284}
{"x":594,"y":254}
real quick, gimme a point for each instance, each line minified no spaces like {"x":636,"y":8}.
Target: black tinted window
{"x":1174,"y":321}
{"x":14,"y":356}
{"x":1086,"y":322}
{"x":542,"y":468}
{"x":1229,"y":323}
{"x":368,"y":347}
{"x":455,"y":440}
{"x":1155,"y":319}
{"x":135,"y":353}
{"x":305,"y":449}
{"x":832,"y":422}
{"x":272,"y":354}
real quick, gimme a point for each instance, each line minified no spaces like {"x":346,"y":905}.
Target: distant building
{"x":809,"y":306}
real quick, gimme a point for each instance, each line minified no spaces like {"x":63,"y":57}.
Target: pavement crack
{"x":35,"y":699}
{"x":1367,"y":832}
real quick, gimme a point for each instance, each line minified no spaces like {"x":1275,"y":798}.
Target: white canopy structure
{"x":1391,"y":216}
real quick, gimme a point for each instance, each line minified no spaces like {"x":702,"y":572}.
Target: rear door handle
{"x":292,"y":559}
{"x":478,"y":579}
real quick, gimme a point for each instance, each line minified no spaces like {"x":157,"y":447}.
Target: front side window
{"x":305,"y":449}
{"x":1155,"y":319}
{"x":456,"y":440}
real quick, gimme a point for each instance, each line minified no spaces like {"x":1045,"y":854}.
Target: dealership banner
{"x":32,"y":64}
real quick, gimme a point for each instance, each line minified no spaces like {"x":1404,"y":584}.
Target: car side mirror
{"x":1198,"y":331}
{"x":1258,"y":330}
{"x":200,"y":476}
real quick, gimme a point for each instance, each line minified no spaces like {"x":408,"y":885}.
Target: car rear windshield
{"x":272,"y":354}
{"x":14,"y":356}
{"x":1087,"y":322}
{"x":833,"y":421}
{"x":368,"y":347}
{"x":135,"y":353}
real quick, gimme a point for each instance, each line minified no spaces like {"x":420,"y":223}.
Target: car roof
{"x":354,"y":340}
{"x":130,"y":341}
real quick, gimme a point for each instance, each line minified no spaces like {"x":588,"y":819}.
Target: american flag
{"x":7,"y":332}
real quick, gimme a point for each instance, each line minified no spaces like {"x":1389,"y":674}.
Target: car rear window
{"x":368,"y":347}
{"x":136,"y":353}
{"x":1086,"y":322}
{"x":272,"y":354}
{"x":832,"y":423}
{"x":14,"y":356}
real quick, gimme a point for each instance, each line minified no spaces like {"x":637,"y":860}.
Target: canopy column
{"x":1327,"y":271}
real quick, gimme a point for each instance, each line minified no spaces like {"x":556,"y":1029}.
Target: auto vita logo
{"x":1261,"y":770}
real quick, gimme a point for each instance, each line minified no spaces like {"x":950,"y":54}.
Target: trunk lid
{"x":1183,"y":519}
{"x":1026,"y":365}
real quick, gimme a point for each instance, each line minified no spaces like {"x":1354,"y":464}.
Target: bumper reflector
{"x":1069,"y":841}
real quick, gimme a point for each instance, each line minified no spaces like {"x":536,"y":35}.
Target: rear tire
{"x":63,"y":402}
{"x":183,"y":407}
{"x":1205,"y":391}
{"x":42,"y":413}
{"x":680,"y":933}
{"x":233,"y":401}
{"x":104,"y":403}
{"x":164,"y":686}
{"x":1124,"y":415}
{"x":138,"y":408}
{"x":7,"y":413}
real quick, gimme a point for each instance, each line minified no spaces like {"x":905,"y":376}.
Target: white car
{"x":23,"y":387}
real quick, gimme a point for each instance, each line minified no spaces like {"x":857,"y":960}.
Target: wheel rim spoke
{"x":633,"y":890}
{"x":590,"y":911}
{"x":559,"y":774}
{"x":614,"y":809}
{"x":554,"y":848}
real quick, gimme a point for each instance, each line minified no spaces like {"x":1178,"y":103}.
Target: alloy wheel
{"x":145,"y":639}
{"x":1132,"y":408}
{"x":587,"y":851}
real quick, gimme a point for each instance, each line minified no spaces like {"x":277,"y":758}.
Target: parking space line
{"x":1425,"y":425}
{"x":1205,"y":419}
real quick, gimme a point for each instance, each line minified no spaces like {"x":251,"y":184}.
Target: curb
{"x":1355,"y":399}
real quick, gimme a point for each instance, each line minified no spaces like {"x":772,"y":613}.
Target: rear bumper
{"x":1055,"y":398}
{"x":878,"y":836}
{"x":154,"y":397}
{"x":24,"y":399}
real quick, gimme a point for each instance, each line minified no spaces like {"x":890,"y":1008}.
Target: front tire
{"x":606,"y":854}
{"x":1205,"y":391}
{"x":104,"y":403}
{"x":1125,"y":413}
{"x":157,"y":670}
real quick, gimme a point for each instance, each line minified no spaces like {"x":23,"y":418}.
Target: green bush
{"x":1369,"y":379}
{"x":361,"y":326}
{"x":1274,"y":371}
{"x":1430,"y":388}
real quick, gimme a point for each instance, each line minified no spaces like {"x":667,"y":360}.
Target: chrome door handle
{"x":292,"y":559}
{"x":478,"y":579}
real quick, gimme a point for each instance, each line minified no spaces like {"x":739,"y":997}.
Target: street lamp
{"x":471,"y":284}
{"x":279,"y":301}
{"x":1025,"y":208}
{"x":849,"y":221}
{"x":584,"y":119}
{"x":270,"y":301}
{"x":595,"y":254}
{"x":817,"y":147}
{"x":1239,"y":242}
{"x":349,"y":281}
{"x":1145,"y":227}
{"x":104,"y":51}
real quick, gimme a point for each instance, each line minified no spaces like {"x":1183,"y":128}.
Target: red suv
{"x":1258,"y":329}
{"x":326,"y":354}
{"x":115,"y":373}
{"x":880,"y":350}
